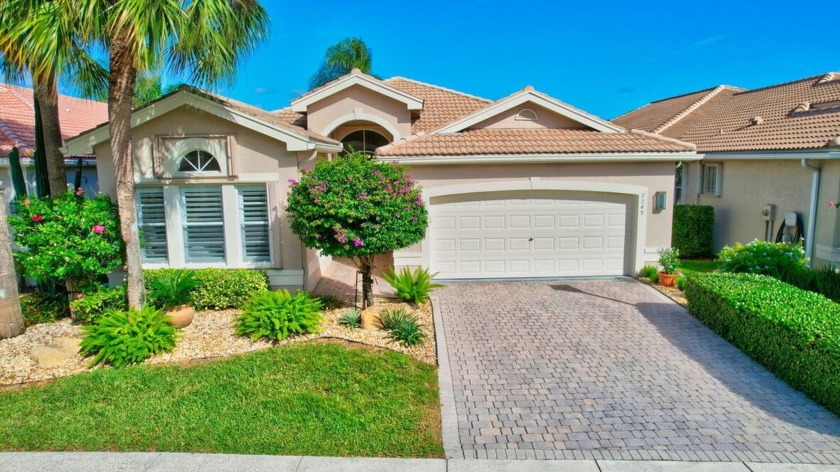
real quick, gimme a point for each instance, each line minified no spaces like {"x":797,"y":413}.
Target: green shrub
{"x":390,"y":319}
{"x":173,"y":288}
{"x":650,"y":272}
{"x":42,"y":307}
{"x":825,"y":281}
{"x":669,"y":259}
{"x":412,"y":287}
{"x":91,"y":305}
{"x":692,"y":231}
{"x":681,"y":282}
{"x":762,"y":257}
{"x":330,"y":302}
{"x":351,"y":318}
{"x":122,"y":338}
{"x":408,"y":333}
{"x":792,"y":332}
{"x":218,"y":289}
{"x":276,"y":315}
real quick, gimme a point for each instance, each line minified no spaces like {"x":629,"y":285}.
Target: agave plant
{"x":412,"y":287}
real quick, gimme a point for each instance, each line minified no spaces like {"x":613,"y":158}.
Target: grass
{"x":688,"y":266}
{"x":306,"y":399}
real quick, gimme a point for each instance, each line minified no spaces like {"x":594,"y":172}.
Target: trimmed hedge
{"x":792,"y":332}
{"x":692,"y":232}
{"x":219,"y":289}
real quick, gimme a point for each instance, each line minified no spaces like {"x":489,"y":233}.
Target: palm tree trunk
{"x":11,"y":319}
{"x":120,"y":90}
{"x":47,"y":98}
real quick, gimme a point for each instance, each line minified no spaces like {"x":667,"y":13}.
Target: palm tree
{"x":341,"y":58}
{"x":44,"y":46}
{"x":11,"y":318}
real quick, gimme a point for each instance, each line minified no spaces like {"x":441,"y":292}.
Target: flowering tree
{"x":68,"y":237}
{"x":357,"y":207}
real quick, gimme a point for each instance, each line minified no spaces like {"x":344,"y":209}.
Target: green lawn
{"x":307,"y":399}
{"x":688,"y":266}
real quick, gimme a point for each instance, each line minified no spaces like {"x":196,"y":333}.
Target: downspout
{"x":812,"y":211}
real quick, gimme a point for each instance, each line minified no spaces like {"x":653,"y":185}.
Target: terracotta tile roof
{"x":656,"y":114}
{"x":529,"y":141}
{"x":440,"y":105}
{"x":803,"y":114}
{"x":17,"y":118}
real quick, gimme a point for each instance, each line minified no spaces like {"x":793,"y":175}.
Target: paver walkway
{"x":611,"y":369}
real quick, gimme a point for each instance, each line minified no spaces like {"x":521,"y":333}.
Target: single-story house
{"x":17,"y":129}
{"x":524,"y":186}
{"x":766,"y":153}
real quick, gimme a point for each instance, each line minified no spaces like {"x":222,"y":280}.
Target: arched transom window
{"x":199,"y":161}
{"x":364,"y":140}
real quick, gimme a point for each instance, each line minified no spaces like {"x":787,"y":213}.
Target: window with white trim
{"x":204,"y":226}
{"x":254,"y":224}
{"x":711,"y":179}
{"x":199,"y":161}
{"x":679,"y":183}
{"x":526,"y":114}
{"x":151,"y":219}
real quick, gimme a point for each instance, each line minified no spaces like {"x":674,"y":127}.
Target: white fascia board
{"x":820,"y":154}
{"x":24,"y":162}
{"x":537,"y":98}
{"x":413,"y":103}
{"x":83,"y":144}
{"x":544,"y":158}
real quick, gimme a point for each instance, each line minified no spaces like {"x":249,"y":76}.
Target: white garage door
{"x":527,"y":237}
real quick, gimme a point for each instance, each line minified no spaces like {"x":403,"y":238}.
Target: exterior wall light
{"x":659,"y":200}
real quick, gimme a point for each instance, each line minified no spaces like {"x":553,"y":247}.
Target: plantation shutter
{"x":253,"y":211}
{"x":204,"y":230}
{"x":151,"y":216}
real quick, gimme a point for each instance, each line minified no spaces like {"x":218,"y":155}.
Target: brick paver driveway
{"x":609,"y":368}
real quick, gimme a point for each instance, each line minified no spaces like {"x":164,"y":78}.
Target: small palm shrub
{"x":351,"y":318}
{"x":91,"y":305}
{"x":121,"y":338}
{"x":412,"y":287}
{"x":402,"y":326}
{"x":173,"y":288}
{"x":276,"y":315}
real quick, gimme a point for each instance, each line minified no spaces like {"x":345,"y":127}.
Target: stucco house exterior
{"x":766,"y":152}
{"x":17,"y":129}
{"x":525,"y":186}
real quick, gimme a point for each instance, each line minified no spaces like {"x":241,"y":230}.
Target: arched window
{"x":199,"y":161}
{"x":364,"y":140}
{"x":526,"y":114}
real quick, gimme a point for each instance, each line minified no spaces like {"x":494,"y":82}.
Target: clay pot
{"x":667,"y":280}
{"x":181,"y":316}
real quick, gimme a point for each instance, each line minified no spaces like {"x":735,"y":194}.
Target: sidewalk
{"x":164,"y":462}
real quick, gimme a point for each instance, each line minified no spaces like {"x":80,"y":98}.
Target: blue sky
{"x":605,"y":57}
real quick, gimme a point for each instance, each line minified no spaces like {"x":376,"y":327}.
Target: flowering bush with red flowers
{"x":68,"y":238}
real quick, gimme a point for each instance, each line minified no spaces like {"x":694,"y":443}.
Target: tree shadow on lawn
{"x":737,"y":371}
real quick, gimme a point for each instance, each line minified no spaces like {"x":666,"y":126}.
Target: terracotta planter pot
{"x":181,"y":316}
{"x":667,"y":280}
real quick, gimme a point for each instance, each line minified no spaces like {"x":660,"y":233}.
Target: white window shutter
{"x":253,"y":211}
{"x":151,"y":216}
{"x":203,"y":220}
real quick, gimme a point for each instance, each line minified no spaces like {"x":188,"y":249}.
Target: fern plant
{"x":351,"y":318}
{"x":122,"y":338}
{"x":173,"y":288}
{"x":276,"y":315}
{"x":412,"y":287}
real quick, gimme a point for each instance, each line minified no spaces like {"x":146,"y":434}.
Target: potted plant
{"x":172,"y":291}
{"x":669,"y":259}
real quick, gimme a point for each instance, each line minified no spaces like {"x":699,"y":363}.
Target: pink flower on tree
{"x":292,"y":182}
{"x":37,"y":218}
{"x":26,"y":202}
{"x":833,"y":204}
{"x":80,"y":191}
{"x":98,"y":229}
{"x":358,"y":242}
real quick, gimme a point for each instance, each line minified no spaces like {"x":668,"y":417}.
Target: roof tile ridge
{"x":819,"y":78}
{"x":15,"y":91}
{"x":632,"y":111}
{"x":445,"y":89}
{"x":694,"y":106}
{"x":10,"y":133}
{"x":664,"y":138}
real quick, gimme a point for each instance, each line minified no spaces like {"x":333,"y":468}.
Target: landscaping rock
{"x":370,"y":315}
{"x":58,"y":352}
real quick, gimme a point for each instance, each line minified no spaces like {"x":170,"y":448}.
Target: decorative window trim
{"x":526,"y":114}
{"x":169,"y":150}
{"x":709,"y":186}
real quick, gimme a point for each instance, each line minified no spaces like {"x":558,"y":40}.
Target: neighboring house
{"x":775,"y":148}
{"x":525,"y":186}
{"x":17,"y":129}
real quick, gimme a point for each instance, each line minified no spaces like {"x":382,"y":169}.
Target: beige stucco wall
{"x":655,"y":177}
{"x":545,"y":119}
{"x":260,"y":160}
{"x":748,"y":185}
{"x":357,"y":103}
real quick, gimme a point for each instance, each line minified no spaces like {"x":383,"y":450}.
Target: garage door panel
{"x":522,"y":237}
